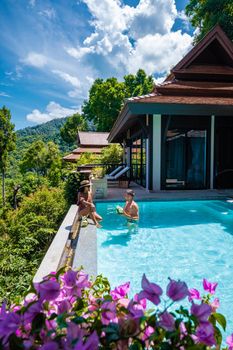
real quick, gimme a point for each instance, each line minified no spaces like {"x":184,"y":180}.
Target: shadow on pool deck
{"x":116,"y":194}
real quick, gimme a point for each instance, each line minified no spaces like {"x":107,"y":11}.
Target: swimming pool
{"x":186,"y":240}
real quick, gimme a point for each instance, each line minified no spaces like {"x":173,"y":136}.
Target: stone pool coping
{"x":59,"y":250}
{"x":85,"y":254}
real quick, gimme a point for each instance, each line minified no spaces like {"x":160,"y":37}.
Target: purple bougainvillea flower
{"x":63,"y":306}
{"x":142,"y":302}
{"x":9,"y":323}
{"x":167,"y":321}
{"x":194,"y":294}
{"x":74,"y":332}
{"x":108,"y":312}
{"x":215,"y":304}
{"x":209,"y":286}
{"x":48,"y":290}
{"x":91,"y":343}
{"x":230,"y":341}
{"x":33,"y":310}
{"x":151,"y":291}
{"x":121,"y":291}
{"x":202,"y":311}
{"x":205,"y":334}
{"x":177,"y":290}
{"x":147,"y":333}
{"x":183,"y":330}
{"x":70,"y":278}
{"x":136,"y":310}
{"x":51,"y":345}
{"x":82,"y":280}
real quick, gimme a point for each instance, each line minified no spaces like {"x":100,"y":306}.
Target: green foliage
{"x":88,"y":158}
{"x":139,"y":84}
{"x":49,"y":131}
{"x":24,"y":237}
{"x":7,"y":143}
{"x":112,"y":154}
{"x":71,"y":127}
{"x":106,"y":98}
{"x":41,"y":158}
{"x":205,"y":14}
{"x":71,"y":187}
{"x":105,"y":101}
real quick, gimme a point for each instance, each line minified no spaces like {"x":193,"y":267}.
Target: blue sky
{"x":51,"y":51}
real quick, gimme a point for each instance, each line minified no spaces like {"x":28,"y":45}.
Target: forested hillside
{"x":49,"y":131}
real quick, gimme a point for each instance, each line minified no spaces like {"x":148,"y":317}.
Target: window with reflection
{"x":186,"y":159}
{"x":138,"y":160}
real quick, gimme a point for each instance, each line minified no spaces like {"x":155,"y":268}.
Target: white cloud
{"x":127,"y":38}
{"x":79,"y":52}
{"x":53,"y":111}
{"x":74,"y":81}
{"x":35,"y":59}
{"x":4,"y":94}
{"x":32,"y":3}
{"x":158,"y":53}
{"x":152,"y":16}
{"x":49,"y":13}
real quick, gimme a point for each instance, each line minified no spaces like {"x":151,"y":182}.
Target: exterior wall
{"x":156,"y":164}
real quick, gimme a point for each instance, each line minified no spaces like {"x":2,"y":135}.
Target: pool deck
{"x":117,"y":194}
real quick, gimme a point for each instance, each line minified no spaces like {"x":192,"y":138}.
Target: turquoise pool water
{"x":186,"y":240}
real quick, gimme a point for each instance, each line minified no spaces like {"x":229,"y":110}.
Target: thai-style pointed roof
{"x":211,"y":58}
{"x":200,"y":84}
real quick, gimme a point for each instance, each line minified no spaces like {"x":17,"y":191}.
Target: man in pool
{"x":130,"y":210}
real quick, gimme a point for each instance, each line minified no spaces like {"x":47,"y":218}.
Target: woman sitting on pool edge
{"x":130,"y":210}
{"x":85,"y":203}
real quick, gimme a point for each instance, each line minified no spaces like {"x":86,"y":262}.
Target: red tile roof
{"x":76,"y":153}
{"x":81,"y":150}
{"x":172,"y":99}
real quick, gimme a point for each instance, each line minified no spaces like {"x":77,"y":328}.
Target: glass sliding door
{"x":196,"y":158}
{"x":186,"y":159}
{"x":138,"y":160}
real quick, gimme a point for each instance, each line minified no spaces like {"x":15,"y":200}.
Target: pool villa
{"x":180,"y":135}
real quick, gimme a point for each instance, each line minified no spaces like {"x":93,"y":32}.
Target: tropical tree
{"x":105,"y":101}
{"x":40,"y":158}
{"x":139,"y":84}
{"x":7,"y":143}
{"x":106,"y":98}
{"x":112,"y":154}
{"x":70,"y":128}
{"x":204,"y":14}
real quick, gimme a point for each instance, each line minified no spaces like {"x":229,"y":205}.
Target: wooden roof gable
{"x":212,"y":55}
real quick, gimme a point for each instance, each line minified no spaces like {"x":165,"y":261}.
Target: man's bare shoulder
{"x":134,"y":205}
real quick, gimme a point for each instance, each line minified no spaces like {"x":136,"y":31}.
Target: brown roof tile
{"x":90,"y":138}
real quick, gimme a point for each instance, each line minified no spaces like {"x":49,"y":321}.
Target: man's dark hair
{"x":130,"y":193}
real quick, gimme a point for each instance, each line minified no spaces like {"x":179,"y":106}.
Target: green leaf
{"x":112,"y":332}
{"x":220,"y":319}
{"x":15,"y":343}
{"x":38,"y":323}
{"x":218,"y":335}
{"x":136,"y":346}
